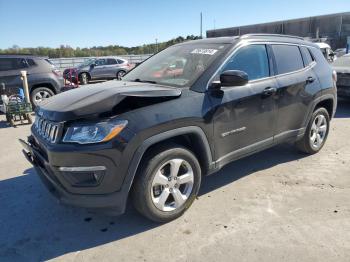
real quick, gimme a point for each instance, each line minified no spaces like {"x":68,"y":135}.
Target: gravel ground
{"x":277,"y":205}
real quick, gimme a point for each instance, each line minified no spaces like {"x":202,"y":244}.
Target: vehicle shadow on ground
{"x":34,"y":227}
{"x":343,"y":109}
{"x":4,"y":124}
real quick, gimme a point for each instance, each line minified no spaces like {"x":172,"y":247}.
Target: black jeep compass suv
{"x":182,"y":114}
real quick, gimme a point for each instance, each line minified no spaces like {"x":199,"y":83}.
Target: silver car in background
{"x":342,"y":67}
{"x":101,"y":68}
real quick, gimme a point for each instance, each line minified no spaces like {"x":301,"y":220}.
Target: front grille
{"x":46,"y":129}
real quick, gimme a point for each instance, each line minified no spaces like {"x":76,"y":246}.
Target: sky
{"x":87,"y":23}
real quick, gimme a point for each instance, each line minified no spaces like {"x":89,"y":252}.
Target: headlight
{"x":94,"y":133}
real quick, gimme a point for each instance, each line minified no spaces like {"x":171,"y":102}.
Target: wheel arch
{"x":191,"y":136}
{"x":328,"y":104}
{"x":328,"y":101}
{"x":47,"y":85}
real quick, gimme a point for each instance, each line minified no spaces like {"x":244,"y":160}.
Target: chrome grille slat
{"x":46,"y":129}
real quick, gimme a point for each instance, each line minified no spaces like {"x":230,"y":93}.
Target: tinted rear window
{"x":288,"y":58}
{"x":111,"y":61}
{"x":12,"y":64}
{"x":308,"y":59}
{"x":31,"y":62}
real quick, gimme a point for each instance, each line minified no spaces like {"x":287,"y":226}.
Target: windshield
{"x":87,"y":62}
{"x":178,"y":66}
{"x":343,"y":61}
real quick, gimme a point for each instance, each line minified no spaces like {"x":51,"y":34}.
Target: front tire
{"x":316,"y":132}
{"x":39,"y":94}
{"x":167,"y":183}
{"x":84,"y":78}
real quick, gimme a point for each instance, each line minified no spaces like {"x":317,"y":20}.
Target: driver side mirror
{"x":231,"y":78}
{"x":92,"y":65}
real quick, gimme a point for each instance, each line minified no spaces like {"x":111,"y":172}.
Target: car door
{"x":112,"y":67}
{"x":297,"y":84}
{"x":244,"y":116}
{"x":10,"y":74}
{"x":99,"y":71}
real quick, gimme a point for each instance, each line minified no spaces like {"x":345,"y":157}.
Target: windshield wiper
{"x":144,"y":81}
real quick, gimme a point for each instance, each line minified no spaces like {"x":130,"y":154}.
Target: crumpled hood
{"x":95,"y":99}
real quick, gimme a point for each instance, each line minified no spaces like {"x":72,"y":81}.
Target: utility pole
{"x":201,"y":26}
{"x":156,"y":45}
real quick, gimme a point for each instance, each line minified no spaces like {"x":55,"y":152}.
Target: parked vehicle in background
{"x":340,"y":52}
{"x":103,"y":68}
{"x":44,"y":79}
{"x":327,"y":51}
{"x":342,"y":67}
{"x":152,"y":136}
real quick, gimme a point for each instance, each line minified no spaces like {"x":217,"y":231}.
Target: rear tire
{"x":120,"y":74}
{"x":167,"y":183}
{"x":316,"y":132}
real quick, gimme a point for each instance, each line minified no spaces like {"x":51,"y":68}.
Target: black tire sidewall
{"x":317,"y":112}
{"x":147,"y":174}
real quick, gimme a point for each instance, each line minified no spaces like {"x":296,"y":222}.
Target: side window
{"x":6,"y":64}
{"x":31,"y":62}
{"x":111,"y":61}
{"x":308,"y":59}
{"x":100,"y":62}
{"x":12,"y":64}
{"x":288,"y":58}
{"x":251,"y":59}
{"x":120,"y":61}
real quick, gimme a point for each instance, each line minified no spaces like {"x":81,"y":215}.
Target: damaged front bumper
{"x":52,"y":176}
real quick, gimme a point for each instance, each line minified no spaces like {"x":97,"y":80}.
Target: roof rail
{"x":277,"y":35}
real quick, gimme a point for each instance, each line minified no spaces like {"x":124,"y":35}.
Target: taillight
{"x":57,"y":72}
{"x":334,"y":76}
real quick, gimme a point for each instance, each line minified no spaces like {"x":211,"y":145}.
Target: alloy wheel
{"x":172,"y":184}
{"x":40,"y":96}
{"x":318,"y":131}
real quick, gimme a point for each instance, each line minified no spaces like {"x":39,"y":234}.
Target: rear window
{"x":288,"y":58}
{"x":111,"y":61}
{"x":308,"y":59}
{"x":12,"y":64}
{"x":31,"y":62}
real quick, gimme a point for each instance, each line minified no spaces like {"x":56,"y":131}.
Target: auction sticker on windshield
{"x":204,"y":51}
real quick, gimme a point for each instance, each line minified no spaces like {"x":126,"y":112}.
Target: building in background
{"x":333,"y":29}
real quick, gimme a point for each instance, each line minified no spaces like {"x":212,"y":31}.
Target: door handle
{"x":310,"y":79}
{"x":268,"y":91}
